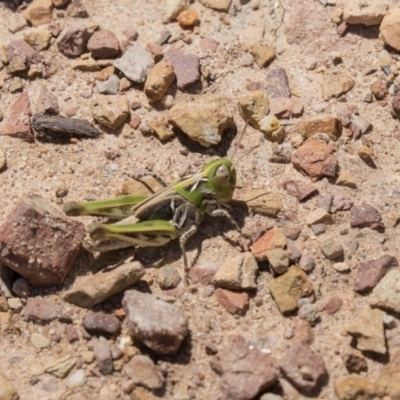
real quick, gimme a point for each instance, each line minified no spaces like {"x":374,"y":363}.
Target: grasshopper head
{"x":221,"y":176}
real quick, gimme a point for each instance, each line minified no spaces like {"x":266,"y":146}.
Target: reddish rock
{"x":366,"y":216}
{"x":277,"y":83}
{"x":156,"y":51}
{"x":100,"y":323}
{"x":233,"y":302}
{"x":103,"y":44}
{"x":371,"y":272}
{"x":379,"y":88}
{"x":207,"y":44}
{"x":303,"y":332}
{"x":102,"y":354}
{"x":73,"y":41}
{"x":272,"y":239}
{"x":47,"y":102}
{"x":303,"y":368}
{"x":20,"y":48}
{"x":186,"y":67}
{"x":315,"y":159}
{"x":134,"y":121}
{"x":130,"y":33}
{"x":328,"y":125}
{"x":39,"y":242}
{"x":333,"y":305}
{"x":41,"y":310}
{"x":18,"y":123}
{"x":202,"y":273}
{"x":285,"y":108}
{"x":143,"y":372}
{"x":245,"y":371}
{"x":71,"y":333}
{"x":301,"y":190}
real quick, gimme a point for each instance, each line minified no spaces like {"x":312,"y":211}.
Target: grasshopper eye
{"x":223,"y":174}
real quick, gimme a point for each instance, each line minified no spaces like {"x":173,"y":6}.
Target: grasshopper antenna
{"x":239,"y":140}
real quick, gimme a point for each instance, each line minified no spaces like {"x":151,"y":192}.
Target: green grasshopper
{"x":173,"y":212}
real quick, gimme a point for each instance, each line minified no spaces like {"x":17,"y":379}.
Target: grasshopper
{"x":173,"y":212}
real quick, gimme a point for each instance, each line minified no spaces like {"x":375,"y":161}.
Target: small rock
{"x":159,"y":325}
{"x":286,"y":108}
{"x":233,"y":302}
{"x":110,"y":86}
{"x":100,"y":323}
{"x":188,"y":18}
{"x":315,"y":159}
{"x":277,"y":83}
{"x":159,"y":80}
{"x":254,"y":107}
{"x":396,"y":104}
{"x":389,"y":376}
{"x":47,"y":102}
{"x":303,"y":367}
{"x":333,"y":305}
{"x":203,"y":121}
{"x":39,"y":341}
{"x":319,"y":216}
{"x":162,"y":129}
{"x":102,"y":354}
{"x":288,"y":288}
{"x":41,"y":310}
{"x":386,"y":293}
{"x":61,"y":366}
{"x":208,"y":45}
{"x":142,"y":371}
{"x":365,"y":216}
{"x":292,"y":233}
{"x":301,"y":190}
{"x":15,"y":303}
{"x":335,"y":83}
{"x":76,"y":9}
{"x":203,"y":273}
{"x":18,"y":64}
{"x":219,"y":5}
{"x":7,"y":390}
{"x":359,"y":126}
{"x":39,"y":12}
{"x":345,"y":178}
{"x":110,"y":110}
{"x":294,"y":254}
{"x":77,"y":378}
{"x":104,"y":284}
{"x":263,"y":202}
{"x":245,"y":371}
{"x":281,"y":153}
{"x":371,"y":272}
{"x":369,"y":12}
{"x":39,"y":38}
{"x":307,"y":263}
{"x":237,"y":272}
{"x":331,"y":249}
{"x":389,"y":30}
{"x":318,"y":229}
{"x":367,"y":329}
{"x":325,"y":202}
{"x":16,"y":23}
{"x":263,"y":55}
{"x":308,"y":312}
{"x":279,"y":260}
{"x":341,"y":266}
{"x":272,"y":128}
{"x":328,"y":125}
{"x":365,"y":153}
{"x":21,"y":288}
{"x":71,"y":333}
{"x":354,"y":361}
{"x":168,"y":277}
{"x":379,"y":88}
{"x":354,"y":387}
{"x":73,"y":40}
{"x":103,"y":44}
{"x":272,"y":239}
{"x":186,"y":67}
{"x":173,"y":8}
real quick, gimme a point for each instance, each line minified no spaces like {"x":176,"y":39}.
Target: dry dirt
{"x":298,"y":30}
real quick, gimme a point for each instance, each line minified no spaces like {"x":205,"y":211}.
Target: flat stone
{"x":301,"y":190}
{"x":61,"y":366}
{"x":203,"y":121}
{"x":186,"y":67}
{"x":168,"y":277}
{"x":263,"y":55}
{"x":286,"y":108}
{"x":7,"y":389}
{"x":272,"y":239}
{"x":159,"y":325}
{"x":389,"y":30}
{"x":346,"y":178}
{"x":303,"y":367}
{"x":386,"y":293}
{"x":319,"y":216}
{"x":254,"y":107}
{"x":103,"y":44}
{"x":260,"y":201}
{"x":390,"y":376}
{"x":219,"y":5}
{"x":333,"y":305}
{"x":328,"y":125}
{"x":277,"y":83}
{"x":331,"y":249}
{"x":367,"y":329}
{"x":245,"y":371}
{"x":41,"y":310}
{"x":100,"y":323}
{"x":335,"y":83}
{"x":366,"y":216}
{"x":237,"y":272}
{"x":47,"y":102}
{"x":110,"y":110}
{"x":354,"y":387}
{"x":369,"y":12}
{"x":20,"y":48}
{"x":143,"y":372}
{"x":73,"y":40}
{"x":315,"y":159}
{"x":233,"y":302}
{"x":371,"y":272}
{"x":288,"y":288}
{"x":102,"y":355}
{"x":159,"y":80}
{"x":45,"y":255}
{"x":39,"y":341}
{"x":39,"y":12}
{"x":104,"y":284}
{"x":354,"y":361}
{"x":18,"y":123}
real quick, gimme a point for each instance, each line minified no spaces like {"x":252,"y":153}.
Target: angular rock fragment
{"x":47,"y":102}
{"x":110,"y":110}
{"x":277,"y":83}
{"x":219,"y":5}
{"x":285,"y":108}
{"x":390,"y":376}
{"x":386,"y":293}
{"x":233,"y":302}
{"x":41,"y":310}
{"x":272,"y":239}
{"x":263,"y":202}
{"x":100,"y":323}
{"x":301,"y":190}
{"x":103,"y":44}
{"x":354,"y":387}
{"x":20,"y":48}
{"x":354,"y":360}
{"x":369,"y":12}
{"x":318,"y":216}
{"x":366,"y":216}
{"x":389,"y":30}
{"x":335,"y":83}
{"x":73,"y":40}
{"x":143,"y":372}
{"x":254,"y":107}
{"x":39,"y":12}
{"x":328,"y":125}
{"x":102,"y":354}
{"x":158,"y":80}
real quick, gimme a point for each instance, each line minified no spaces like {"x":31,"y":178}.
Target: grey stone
{"x":168,"y":277}
{"x":307,"y":263}
{"x":331,"y":249}
{"x":41,"y":310}
{"x":279,"y":260}
{"x":386,"y":293}
{"x":97,"y":322}
{"x":102,"y":354}
{"x":110,"y":86}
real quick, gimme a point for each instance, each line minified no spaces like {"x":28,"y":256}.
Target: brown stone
{"x":20,"y":48}
{"x":103,"y":44}
{"x":277,"y":83}
{"x":47,"y":102}
{"x":301,"y":190}
{"x":285,"y":108}
{"x":390,"y":376}
{"x":328,"y":125}
{"x":233,"y":302}
{"x":335,"y":83}
{"x":41,"y":310}
{"x":143,"y":372}
{"x":73,"y":41}
{"x":389,"y":29}
{"x":100,"y":323}
{"x":263,"y":55}
{"x":333,"y":305}
{"x":39,"y":12}
{"x":379,"y":88}
{"x":366,"y":216}
{"x":354,"y":387}
{"x":188,"y":18}
{"x":158,"y":80}
{"x":272,"y":239}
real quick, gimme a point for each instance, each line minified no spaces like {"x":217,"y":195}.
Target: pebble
{"x":319,"y":216}
{"x":71,"y":333}
{"x":168,"y":277}
{"x":263,"y":202}
{"x":263,"y":55}
{"x":254,"y":107}
{"x":333,"y":305}
{"x":7,"y":389}
{"x":245,"y":371}
{"x":272,"y":239}
{"x":277,"y":83}
{"x":186,"y":67}
{"x":371,"y":272}
{"x":278,"y":260}
{"x":203,"y":121}
{"x":237,"y":272}
{"x":18,"y":64}
{"x":308,"y":312}
{"x":162,"y":129}
{"x":203,"y":273}
{"x":39,"y":12}
{"x":335,"y":83}
{"x":288,"y":288}
{"x":303,"y":367}
{"x":331,"y":249}
{"x":130,"y":33}
{"x":379,"y":88}
{"x":294,"y":254}
{"x":366,"y":216}
{"x":386,"y":293}
{"x":219,"y":5}
{"x":301,"y":190}
{"x":110,"y":110}
{"x":61,"y":366}
{"x":346,"y":178}
{"x":3,"y":158}
{"x":159,"y":325}
{"x":354,"y":387}
{"x":173,"y":8}
{"x":367,"y":329}
{"x":396,"y":104}
{"x":77,"y":378}
{"x":354,"y":361}
{"x":15,"y":303}
{"x":135,"y":63}
{"x":41,"y":310}
{"x":20,"y":48}
{"x":102,"y":354}
{"x":281,"y":153}
{"x":109,"y":86}
{"x":142,"y":371}
{"x":39,"y":38}
{"x":188,"y":18}
{"x":103,"y":44}
{"x":318,"y":229}
{"x":315,"y":159}
{"x":328,"y":125}
{"x":47,"y":102}
{"x":286,"y":108}
{"x":389,"y":30}
{"x":233,"y":302}
{"x":76,"y":9}
{"x":73,"y":40}
{"x":100,"y":323}
{"x":371,"y":12}
{"x":341,"y":267}
{"x":16,"y":23}
{"x":389,"y":376}
{"x":39,"y":341}
{"x":159,"y":80}
{"x":365,"y":153}
{"x":307,"y":263}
